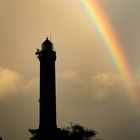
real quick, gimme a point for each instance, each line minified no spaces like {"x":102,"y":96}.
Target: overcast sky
{"x":89,"y":90}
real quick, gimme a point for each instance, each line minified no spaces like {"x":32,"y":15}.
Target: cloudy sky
{"x":89,"y":89}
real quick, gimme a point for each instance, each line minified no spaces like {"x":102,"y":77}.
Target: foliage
{"x":34,"y":133}
{"x":74,"y":132}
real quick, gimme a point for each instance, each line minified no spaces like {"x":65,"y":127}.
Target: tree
{"x":74,"y":132}
{"x":78,"y":132}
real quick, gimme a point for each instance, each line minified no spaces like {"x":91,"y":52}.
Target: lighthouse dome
{"x":47,"y":45}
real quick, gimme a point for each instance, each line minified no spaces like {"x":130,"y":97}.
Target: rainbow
{"x":107,"y":36}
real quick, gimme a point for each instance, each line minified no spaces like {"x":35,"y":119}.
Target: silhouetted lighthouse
{"x":47,"y":57}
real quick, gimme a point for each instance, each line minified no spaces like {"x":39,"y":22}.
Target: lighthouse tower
{"x":47,"y":122}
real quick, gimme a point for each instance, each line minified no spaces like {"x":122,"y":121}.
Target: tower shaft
{"x":47,"y":95}
{"x":47,"y":121}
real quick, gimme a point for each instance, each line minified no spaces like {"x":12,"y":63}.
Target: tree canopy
{"x":73,"y":132}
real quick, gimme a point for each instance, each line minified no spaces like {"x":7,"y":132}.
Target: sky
{"x":90,"y":91}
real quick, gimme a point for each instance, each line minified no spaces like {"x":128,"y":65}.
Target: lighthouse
{"x":47,"y":114}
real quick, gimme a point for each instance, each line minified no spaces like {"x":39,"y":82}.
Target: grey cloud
{"x":12,"y":82}
{"x":18,"y":104}
{"x":102,"y":102}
